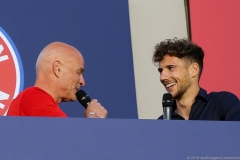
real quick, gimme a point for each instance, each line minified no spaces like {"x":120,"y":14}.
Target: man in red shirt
{"x":59,"y":71}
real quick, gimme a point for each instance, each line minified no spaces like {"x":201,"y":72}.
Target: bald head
{"x":56,"y":51}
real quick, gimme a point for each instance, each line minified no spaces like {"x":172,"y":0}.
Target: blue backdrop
{"x":99,"y":29}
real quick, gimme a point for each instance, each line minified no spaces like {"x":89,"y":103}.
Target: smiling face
{"x":175,"y":76}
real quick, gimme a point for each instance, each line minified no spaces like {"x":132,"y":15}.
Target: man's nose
{"x":164,"y":75}
{"x":81,"y":81}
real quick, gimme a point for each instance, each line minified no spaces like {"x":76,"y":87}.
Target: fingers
{"x":95,"y":110}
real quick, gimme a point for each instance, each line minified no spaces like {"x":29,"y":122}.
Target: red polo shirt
{"x":34,"y":101}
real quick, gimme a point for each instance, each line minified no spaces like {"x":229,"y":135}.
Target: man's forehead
{"x":170,"y":60}
{"x":78,"y":65}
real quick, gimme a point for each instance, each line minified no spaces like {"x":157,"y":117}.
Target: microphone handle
{"x":167,"y":113}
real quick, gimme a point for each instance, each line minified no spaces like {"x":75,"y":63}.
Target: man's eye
{"x":171,"y":67}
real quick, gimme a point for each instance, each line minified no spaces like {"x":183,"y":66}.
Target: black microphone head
{"x":167,"y":100}
{"x":83,"y":98}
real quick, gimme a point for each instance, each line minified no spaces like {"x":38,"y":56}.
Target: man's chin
{"x":177,"y":96}
{"x":173,"y":95}
{"x":69,"y":99}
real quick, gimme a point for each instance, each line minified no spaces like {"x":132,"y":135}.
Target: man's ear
{"x":194,"y":70}
{"x":56,"y":67}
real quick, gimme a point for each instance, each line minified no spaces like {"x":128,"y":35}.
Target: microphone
{"x":83,"y":98}
{"x":167,"y":103}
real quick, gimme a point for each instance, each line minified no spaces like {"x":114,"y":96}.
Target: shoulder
{"x":227,"y":102}
{"x":34,"y":92}
{"x":223,"y":96}
{"x":34,"y":96}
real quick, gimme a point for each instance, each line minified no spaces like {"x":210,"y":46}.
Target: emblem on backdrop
{"x":11,"y":72}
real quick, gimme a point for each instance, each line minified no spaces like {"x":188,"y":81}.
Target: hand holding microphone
{"x":93,"y":108}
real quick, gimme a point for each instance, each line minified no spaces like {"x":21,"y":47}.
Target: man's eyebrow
{"x":171,"y":65}
{"x":82,"y":70}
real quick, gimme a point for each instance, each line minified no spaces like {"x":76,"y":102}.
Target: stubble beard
{"x":183,"y":86}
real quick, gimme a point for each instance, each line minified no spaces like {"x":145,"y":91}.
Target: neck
{"x":184,"y":104}
{"x":48,"y":87}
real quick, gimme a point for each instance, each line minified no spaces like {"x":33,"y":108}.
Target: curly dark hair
{"x":184,"y":49}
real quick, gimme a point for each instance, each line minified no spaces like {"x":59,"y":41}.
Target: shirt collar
{"x":203,"y":94}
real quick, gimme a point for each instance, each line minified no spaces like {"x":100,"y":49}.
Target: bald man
{"x":59,"y":70}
